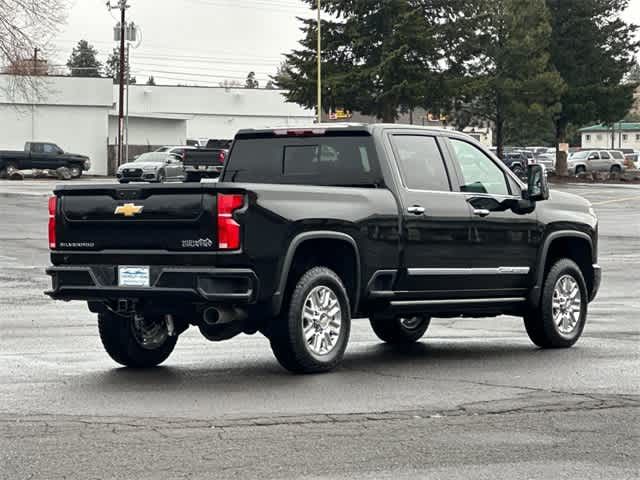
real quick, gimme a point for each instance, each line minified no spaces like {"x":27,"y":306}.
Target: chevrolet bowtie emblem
{"x":128,"y":210}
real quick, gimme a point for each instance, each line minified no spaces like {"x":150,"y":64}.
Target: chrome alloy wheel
{"x":150,"y":333}
{"x":321,"y":320}
{"x":566,"y":305}
{"x":411,"y":323}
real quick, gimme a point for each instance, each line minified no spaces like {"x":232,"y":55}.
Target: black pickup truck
{"x":309,"y":228}
{"x":43,"y":156}
{"x":206,"y":162}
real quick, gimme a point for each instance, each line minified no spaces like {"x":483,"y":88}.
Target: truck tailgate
{"x":137,"y":217}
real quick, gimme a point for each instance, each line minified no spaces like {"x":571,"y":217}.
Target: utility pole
{"x":122,"y":6}
{"x":35,"y":61}
{"x":126,"y":148}
{"x":319,"y":81}
{"x":35,"y":93}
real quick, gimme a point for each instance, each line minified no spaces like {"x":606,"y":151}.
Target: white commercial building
{"x":81,"y":115}
{"x":72,"y":112}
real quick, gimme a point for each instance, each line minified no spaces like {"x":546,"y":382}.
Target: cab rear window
{"x":315,"y":160}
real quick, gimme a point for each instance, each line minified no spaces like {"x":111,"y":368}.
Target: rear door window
{"x":319,"y":160}
{"x":605,"y":156}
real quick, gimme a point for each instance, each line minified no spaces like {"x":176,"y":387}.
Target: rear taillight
{"x":228,"y":228}
{"x":53,"y":205}
{"x":221,"y":157}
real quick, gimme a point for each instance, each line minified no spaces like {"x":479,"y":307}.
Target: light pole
{"x":319,"y":81}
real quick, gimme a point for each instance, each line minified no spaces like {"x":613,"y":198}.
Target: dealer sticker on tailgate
{"x":133,"y":276}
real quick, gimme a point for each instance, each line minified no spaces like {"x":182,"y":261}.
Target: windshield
{"x":152,"y":157}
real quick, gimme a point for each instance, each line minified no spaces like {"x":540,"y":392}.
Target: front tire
{"x":559,"y":320}
{"x":134,"y":345}
{"x":312,"y":333}
{"x":76,"y":171}
{"x":400,"y":330}
{"x":64,"y":173}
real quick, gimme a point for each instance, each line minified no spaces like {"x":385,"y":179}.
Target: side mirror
{"x":537,"y":183}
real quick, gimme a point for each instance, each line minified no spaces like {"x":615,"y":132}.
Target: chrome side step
{"x":464,"y":301}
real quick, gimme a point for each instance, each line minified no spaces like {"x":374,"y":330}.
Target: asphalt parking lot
{"x":473,"y":399}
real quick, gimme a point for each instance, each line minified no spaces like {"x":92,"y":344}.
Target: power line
{"x":217,"y":69}
{"x":209,"y":54}
{"x":211,"y":58}
{"x":205,"y":75}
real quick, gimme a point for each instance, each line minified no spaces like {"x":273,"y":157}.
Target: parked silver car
{"x":548,"y":160}
{"x":152,"y":167}
{"x":595,"y":161}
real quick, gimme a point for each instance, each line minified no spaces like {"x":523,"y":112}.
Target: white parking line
{"x":617,"y":200}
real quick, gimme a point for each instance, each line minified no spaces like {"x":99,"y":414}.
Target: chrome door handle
{"x":481,"y":212}
{"x":416,"y":210}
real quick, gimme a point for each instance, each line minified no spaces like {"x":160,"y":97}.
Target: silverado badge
{"x":128,"y":210}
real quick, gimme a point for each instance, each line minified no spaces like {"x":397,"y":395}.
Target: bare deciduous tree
{"x":27,"y":26}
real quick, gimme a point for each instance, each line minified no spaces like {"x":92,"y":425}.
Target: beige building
{"x":621,"y":135}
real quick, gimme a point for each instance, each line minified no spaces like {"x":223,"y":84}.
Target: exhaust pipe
{"x":171,"y":328}
{"x":220,"y":315}
{"x":210,"y":316}
{"x":222,"y":323}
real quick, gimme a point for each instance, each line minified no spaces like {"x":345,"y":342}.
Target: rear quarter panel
{"x":278,"y":213}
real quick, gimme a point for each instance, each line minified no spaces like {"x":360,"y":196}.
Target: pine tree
{"x":151,"y":80}
{"x":378,"y":56}
{"x":112,"y":67}
{"x":83,"y":61}
{"x":251,"y":81}
{"x":514,"y":82}
{"x":593,"y":48}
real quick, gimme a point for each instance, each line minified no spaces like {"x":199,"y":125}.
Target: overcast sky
{"x":192,"y":41}
{"x":200,"y":41}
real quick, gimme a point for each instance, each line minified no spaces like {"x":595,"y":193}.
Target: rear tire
{"x":400,"y":330}
{"x":616,"y":170}
{"x":8,"y":170}
{"x":122,"y":341}
{"x":312,"y":333}
{"x":559,"y":320}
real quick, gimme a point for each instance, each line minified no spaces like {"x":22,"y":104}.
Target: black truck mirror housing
{"x":537,"y":183}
